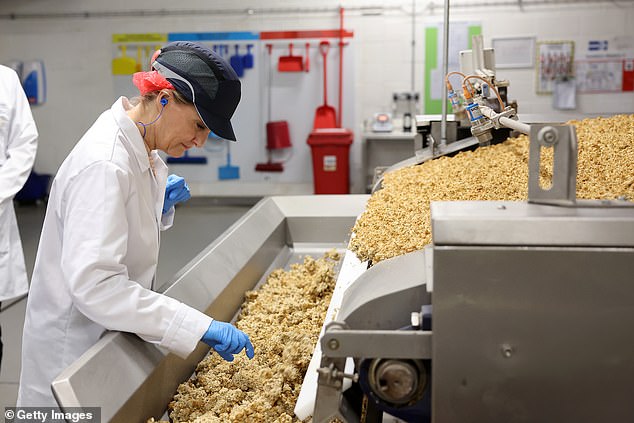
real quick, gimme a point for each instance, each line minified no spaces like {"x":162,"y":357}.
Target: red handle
{"x":341,"y":44}
{"x":324,"y":46}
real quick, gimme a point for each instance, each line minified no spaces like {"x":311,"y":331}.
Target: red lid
{"x":338,"y":136}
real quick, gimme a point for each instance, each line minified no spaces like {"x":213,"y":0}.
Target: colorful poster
{"x":554,"y":62}
{"x":132,"y":52}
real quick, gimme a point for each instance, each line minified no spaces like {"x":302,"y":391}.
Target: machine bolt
{"x":333,"y":344}
{"x":507,"y":350}
{"x":342,"y":375}
{"x":548,"y":135}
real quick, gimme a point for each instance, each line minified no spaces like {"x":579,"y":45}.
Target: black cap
{"x":205,"y":79}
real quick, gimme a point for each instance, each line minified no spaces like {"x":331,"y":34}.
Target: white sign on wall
{"x":514,"y":52}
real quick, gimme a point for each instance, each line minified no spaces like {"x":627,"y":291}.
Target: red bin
{"x":330,"y":149}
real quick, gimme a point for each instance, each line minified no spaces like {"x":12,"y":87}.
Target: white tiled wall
{"x":77,"y":50}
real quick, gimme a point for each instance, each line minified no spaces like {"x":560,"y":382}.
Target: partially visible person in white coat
{"x":18,"y":145}
{"x":97,"y":257}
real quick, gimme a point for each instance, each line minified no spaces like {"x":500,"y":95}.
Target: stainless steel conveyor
{"x":132,"y":380}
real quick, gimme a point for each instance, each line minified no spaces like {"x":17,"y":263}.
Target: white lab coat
{"x":18,"y":144}
{"x":97,"y":258}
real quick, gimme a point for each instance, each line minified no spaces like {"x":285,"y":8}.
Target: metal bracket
{"x":339,"y":343}
{"x":377,"y":343}
{"x":563,"y":140}
{"x":508,"y":113}
{"x":329,"y":401}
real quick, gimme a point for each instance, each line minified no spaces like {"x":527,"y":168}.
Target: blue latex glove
{"x":176,"y":190}
{"x":227,"y":340}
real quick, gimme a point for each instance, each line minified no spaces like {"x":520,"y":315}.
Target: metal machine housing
{"x":533,"y":305}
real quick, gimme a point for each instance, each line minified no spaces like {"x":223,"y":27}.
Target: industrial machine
{"x":479,"y":84}
{"x":517,"y":311}
{"x":439,"y":135}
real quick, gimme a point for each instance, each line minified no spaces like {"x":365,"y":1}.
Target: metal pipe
{"x":412,"y":85}
{"x":363,"y":10}
{"x":522,"y":4}
{"x":445,"y":70}
{"x":524,"y":128}
{"x":138,"y":13}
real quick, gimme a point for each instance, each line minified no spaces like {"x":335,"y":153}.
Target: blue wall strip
{"x":212,"y":36}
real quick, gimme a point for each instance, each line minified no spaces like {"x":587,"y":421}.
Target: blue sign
{"x":597,"y":45}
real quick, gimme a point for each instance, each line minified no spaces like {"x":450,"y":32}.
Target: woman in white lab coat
{"x":18,"y":145}
{"x":98,"y":252}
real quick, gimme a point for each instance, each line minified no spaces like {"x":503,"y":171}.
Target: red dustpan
{"x":290,"y":63}
{"x":325,"y":115}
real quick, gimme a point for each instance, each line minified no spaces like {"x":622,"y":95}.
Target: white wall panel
{"x":77,"y":52}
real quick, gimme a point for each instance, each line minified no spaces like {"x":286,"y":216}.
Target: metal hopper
{"x":132,"y":380}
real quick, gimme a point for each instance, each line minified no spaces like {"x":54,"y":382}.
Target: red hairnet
{"x":151,"y":81}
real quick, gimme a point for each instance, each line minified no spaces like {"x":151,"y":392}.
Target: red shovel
{"x":325,"y":116}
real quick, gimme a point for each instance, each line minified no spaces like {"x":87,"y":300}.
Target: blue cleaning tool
{"x":247,"y":59}
{"x":34,"y":81}
{"x":228,"y":171}
{"x":187,"y":159}
{"x":236,"y":62}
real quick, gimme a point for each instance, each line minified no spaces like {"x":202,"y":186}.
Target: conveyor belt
{"x":132,"y":380}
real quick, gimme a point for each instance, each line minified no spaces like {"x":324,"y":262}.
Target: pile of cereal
{"x":283,"y":318}
{"x":397,"y":217}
